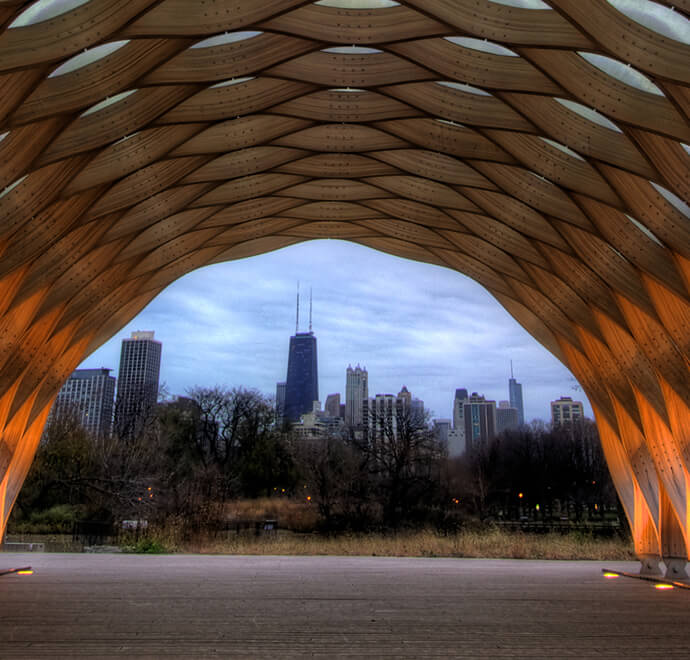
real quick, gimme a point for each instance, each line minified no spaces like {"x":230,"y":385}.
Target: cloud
{"x":427,"y":327}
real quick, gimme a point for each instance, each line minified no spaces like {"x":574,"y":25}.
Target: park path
{"x":191,"y":606}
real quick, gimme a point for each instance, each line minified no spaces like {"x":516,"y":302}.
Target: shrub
{"x":149,"y":546}
{"x":59,"y":519}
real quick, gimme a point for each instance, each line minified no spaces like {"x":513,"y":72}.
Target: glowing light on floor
{"x":663,"y":586}
{"x":27,"y":572}
{"x":611,"y":576}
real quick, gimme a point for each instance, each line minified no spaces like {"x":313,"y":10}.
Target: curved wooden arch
{"x":517,"y":162}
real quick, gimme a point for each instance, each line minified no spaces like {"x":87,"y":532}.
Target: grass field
{"x":483,"y":544}
{"x":488,"y":544}
{"x":300,"y":518}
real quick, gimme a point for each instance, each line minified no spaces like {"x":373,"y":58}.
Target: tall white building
{"x":356,"y":391}
{"x":456,"y":442}
{"x":88,"y":394}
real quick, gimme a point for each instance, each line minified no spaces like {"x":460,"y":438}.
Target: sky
{"x":408,"y":323}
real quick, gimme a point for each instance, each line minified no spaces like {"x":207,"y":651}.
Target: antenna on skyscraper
{"x":297,"y":321}
{"x":511,"y":368}
{"x":309,"y":309}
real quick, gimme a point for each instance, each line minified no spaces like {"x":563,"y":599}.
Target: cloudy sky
{"x":423,"y":326}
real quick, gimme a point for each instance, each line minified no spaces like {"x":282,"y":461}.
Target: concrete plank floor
{"x":187,"y":606}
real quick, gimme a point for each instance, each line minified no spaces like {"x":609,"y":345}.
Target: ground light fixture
{"x":664,"y":585}
{"x":25,"y":570}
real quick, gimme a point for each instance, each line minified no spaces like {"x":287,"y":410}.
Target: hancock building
{"x":302,"y":382}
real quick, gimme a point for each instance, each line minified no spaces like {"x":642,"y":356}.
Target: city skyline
{"x":230,"y":325}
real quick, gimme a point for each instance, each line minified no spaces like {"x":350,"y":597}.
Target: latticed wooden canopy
{"x":538,"y":147}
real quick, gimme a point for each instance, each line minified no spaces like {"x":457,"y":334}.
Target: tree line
{"x":199,"y":453}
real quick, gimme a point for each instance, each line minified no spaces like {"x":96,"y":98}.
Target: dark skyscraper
{"x":302,"y":387}
{"x":137,"y":383}
{"x":302,"y":382}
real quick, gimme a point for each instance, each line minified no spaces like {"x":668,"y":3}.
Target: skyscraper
{"x":88,"y":394}
{"x":414,"y":406}
{"x":302,"y":385}
{"x":507,"y":417}
{"x":332,"y":405}
{"x":379,"y":416}
{"x":137,"y":383}
{"x":280,"y":401}
{"x":565,"y":411}
{"x":302,"y":382}
{"x":442,"y":430}
{"x":515,"y":396}
{"x":356,"y":390}
{"x":480,"y":421}
{"x":384,"y":414}
{"x":461,"y":397}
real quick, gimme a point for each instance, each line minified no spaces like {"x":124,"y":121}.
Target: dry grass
{"x":297,"y":515}
{"x":486,"y":544}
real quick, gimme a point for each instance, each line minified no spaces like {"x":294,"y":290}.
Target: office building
{"x":302,"y":382}
{"x":442,"y":429}
{"x":565,"y":411}
{"x":280,"y":401}
{"x":412,"y":404}
{"x":332,"y":406}
{"x":137,"y":383}
{"x":379,"y":417}
{"x":480,"y":421}
{"x":515,"y":396}
{"x":356,"y":391}
{"x":507,"y":417}
{"x":383,"y":414}
{"x":317,"y":424}
{"x":89,"y":395}
{"x":456,"y":443}
{"x":461,"y":397}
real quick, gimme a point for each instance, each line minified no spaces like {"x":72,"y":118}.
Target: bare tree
{"x":333,"y":470}
{"x":403,"y":456}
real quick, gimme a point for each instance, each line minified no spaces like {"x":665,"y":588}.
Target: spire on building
{"x":309,"y":309}
{"x":297,"y":317}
